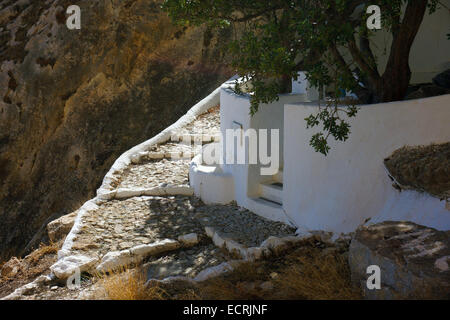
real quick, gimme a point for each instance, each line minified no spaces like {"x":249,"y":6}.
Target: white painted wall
{"x":301,"y":86}
{"x":236,"y":108}
{"x":338,"y":192}
{"x":210,"y":183}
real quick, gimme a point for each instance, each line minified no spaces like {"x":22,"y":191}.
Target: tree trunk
{"x":286,"y":84}
{"x":395,"y":80}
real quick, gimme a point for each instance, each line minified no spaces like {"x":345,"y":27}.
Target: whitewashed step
{"x":267,"y":209}
{"x":197,"y":138}
{"x":279,"y":176}
{"x":272,"y":191}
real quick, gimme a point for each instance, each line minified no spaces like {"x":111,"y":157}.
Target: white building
{"x":341,"y":191}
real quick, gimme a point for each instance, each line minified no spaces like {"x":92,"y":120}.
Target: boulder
{"x":413,"y":260}
{"x":60,"y":227}
{"x":11,"y":268}
{"x":443,"y":79}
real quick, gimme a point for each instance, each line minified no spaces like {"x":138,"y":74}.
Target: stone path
{"x":186,"y":262}
{"x":156,"y":173}
{"x":122,"y":224}
{"x":208,"y":123}
{"x":240,"y":224}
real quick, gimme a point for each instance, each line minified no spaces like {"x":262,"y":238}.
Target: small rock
{"x":248,"y":286}
{"x":11,"y":268}
{"x":29,"y":289}
{"x":267,"y":285}
{"x":125,"y":245}
{"x":442,"y":263}
{"x":274,"y":275}
{"x":44,"y":279}
{"x":190,"y":239}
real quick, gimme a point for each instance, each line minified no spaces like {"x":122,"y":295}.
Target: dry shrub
{"x":422,"y":168}
{"x":129,"y":284}
{"x":42,"y":251}
{"x":223,"y":289}
{"x":303,"y":273}
{"x":316,"y":275}
{"x":33,"y":265}
{"x":236,"y":285}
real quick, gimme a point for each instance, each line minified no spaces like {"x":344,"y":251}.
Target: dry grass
{"x":236,"y":285}
{"x":422,"y":168}
{"x":128,"y":284}
{"x":316,"y":276}
{"x":304,"y":272}
{"x":33,"y":265}
{"x":42,"y":251}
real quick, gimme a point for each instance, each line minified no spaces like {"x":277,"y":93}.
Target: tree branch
{"x":372,"y":73}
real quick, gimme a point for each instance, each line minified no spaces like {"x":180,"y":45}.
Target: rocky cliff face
{"x":71,"y":101}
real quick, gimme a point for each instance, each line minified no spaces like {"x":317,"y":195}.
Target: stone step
{"x":279,"y":176}
{"x":176,"y":155}
{"x":266,"y":208}
{"x":272,"y":191}
{"x":195,"y":138}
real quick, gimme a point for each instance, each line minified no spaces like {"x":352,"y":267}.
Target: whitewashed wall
{"x":237,"y":108}
{"x":338,"y":192}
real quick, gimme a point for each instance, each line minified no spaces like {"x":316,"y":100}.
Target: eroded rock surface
{"x":72,"y":101}
{"x":414,"y":260}
{"x":59,"y":228}
{"x":422,"y":168}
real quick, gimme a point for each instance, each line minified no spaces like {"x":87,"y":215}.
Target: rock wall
{"x":71,"y":101}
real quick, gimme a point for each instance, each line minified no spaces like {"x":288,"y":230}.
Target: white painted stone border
{"x":126,"y":193}
{"x":271,"y":244}
{"x":90,"y":205}
{"x":117,"y":259}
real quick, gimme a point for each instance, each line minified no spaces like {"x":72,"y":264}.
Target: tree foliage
{"x":328,"y":39}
